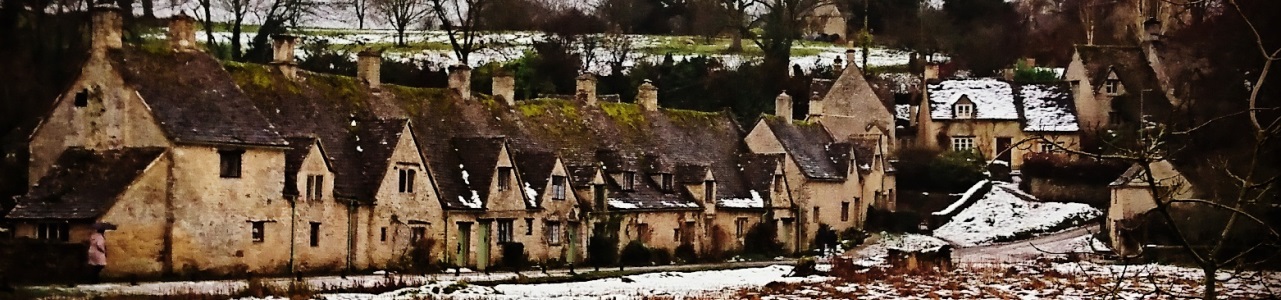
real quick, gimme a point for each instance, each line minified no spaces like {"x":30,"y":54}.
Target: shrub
{"x":661,"y":256}
{"x":1066,"y":169}
{"x":762,"y":239}
{"x":825,"y":237}
{"x":514,"y":256}
{"x":635,"y":254}
{"x":602,"y":251}
{"x":805,"y":266}
{"x":853,"y":234}
{"x":685,"y":253}
{"x":949,"y":171}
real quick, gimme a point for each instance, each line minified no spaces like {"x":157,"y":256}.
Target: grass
{"x":693,"y":45}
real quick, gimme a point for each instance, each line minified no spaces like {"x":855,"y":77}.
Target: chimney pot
{"x":851,"y":56}
{"x":460,"y":81}
{"x":931,"y":71}
{"x":505,"y":87}
{"x":647,"y":96}
{"x":783,"y":107}
{"x":282,"y":47}
{"x":816,"y":105}
{"x":838,"y":66}
{"x":107,"y":24}
{"x":369,"y":67}
{"x":182,"y":32}
{"x":586,"y":89}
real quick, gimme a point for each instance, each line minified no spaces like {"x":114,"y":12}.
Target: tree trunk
{"x":1210,"y":290}
{"x":235,"y":39}
{"x":148,"y":10}
{"x":737,"y":44}
{"x":209,"y":38}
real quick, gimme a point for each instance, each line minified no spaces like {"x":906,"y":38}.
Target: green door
{"x":482,"y":251}
{"x":464,"y":244}
{"x":572,"y":254}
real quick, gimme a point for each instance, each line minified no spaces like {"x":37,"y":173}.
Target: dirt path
{"x":1025,"y":249}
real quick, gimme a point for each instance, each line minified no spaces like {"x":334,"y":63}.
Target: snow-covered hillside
{"x":1002,"y":216}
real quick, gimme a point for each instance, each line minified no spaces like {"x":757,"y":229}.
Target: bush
{"x":949,"y":171}
{"x":825,"y":237}
{"x":661,"y":256}
{"x":762,"y":239}
{"x":853,"y":234}
{"x":1066,"y":169}
{"x":602,"y":250}
{"x":805,"y":266}
{"x":685,"y":253}
{"x":514,"y":256}
{"x":635,"y":254}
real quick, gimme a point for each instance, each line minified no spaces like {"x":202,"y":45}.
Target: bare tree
{"x":461,"y":21}
{"x":1243,"y":181}
{"x":361,"y":8}
{"x":619,"y":48}
{"x":783,"y":21}
{"x":737,"y":10}
{"x":401,"y":14}
{"x":239,"y":10}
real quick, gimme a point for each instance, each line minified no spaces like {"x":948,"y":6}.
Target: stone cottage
{"x":1002,"y":121}
{"x":1115,"y":87}
{"x":1131,"y":197}
{"x":190,"y":172}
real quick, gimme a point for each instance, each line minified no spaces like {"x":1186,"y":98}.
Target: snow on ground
{"x":1033,"y":280}
{"x":1001,"y":216}
{"x":662,"y":284}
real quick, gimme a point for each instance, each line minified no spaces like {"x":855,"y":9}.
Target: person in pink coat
{"x":97,"y":254}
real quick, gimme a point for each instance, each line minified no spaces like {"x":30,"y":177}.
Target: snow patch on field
{"x":1002,"y":216}
{"x":661,"y":284}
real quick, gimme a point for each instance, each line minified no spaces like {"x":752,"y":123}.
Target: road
{"x":1025,"y":249}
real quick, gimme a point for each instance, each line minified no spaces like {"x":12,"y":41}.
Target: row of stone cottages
{"x":212,"y":168}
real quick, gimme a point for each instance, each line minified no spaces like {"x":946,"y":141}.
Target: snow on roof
{"x":1048,"y":108}
{"x":474,"y":202}
{"x":754,"y":202}
{"x":531,"y":195}
{"x":993,"y":100}
{"x":1001,"y":215}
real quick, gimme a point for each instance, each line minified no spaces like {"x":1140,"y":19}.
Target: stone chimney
{"x":647,"y":96}
{"x":182,"y":33}
{"x":783,"y":107}
{"x":505,"y":87}
{"x":282,"y":49}
{"x":931,"y":71}
{"x":816,"y":105}
{"x":851,"y":56}
{"x":369,"y":64}
{"x":460,"y":81}
{"x":586,"y":89}
{"x":107,"y":24}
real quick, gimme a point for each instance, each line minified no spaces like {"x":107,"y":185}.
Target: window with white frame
{"x":558,"y":187}
{"x":1112,"y":87}
{"x":964,"y":111}
{"x":553,"y":233}
{"x":962,"y":143}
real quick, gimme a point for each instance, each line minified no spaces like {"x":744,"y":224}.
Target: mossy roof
{"x":193,"y":98}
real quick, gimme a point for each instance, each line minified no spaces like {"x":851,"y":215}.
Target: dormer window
{"x":778,"y":182}
{"x":667,"y":182}
{"x":629,"y":181}
{"x":558,"y":187}
{"x":1112,"y":87}
{"x":964,"y":111}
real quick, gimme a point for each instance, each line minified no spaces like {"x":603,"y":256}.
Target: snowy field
{"x":1003,"y":214}
{"x":663,"y":284}
{"x":337,"y":27}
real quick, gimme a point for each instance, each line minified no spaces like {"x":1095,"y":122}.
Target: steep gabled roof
{"x":1135,"y":74}
{"x":808,"y":145}
{"x":758,"y":177}
{"x":477,"y":158}
{"x":864,"y":152}
{"x":993,"y":99}
{"x":1048,"y":108}
{"x":851,"y":95}
{"x":355,"y":125}
{"x":299,"y":147}
{"x":84,"y":184}
{"x":193,"y":98}
{"x":535,"y":169}
{"x":376,"y":142}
